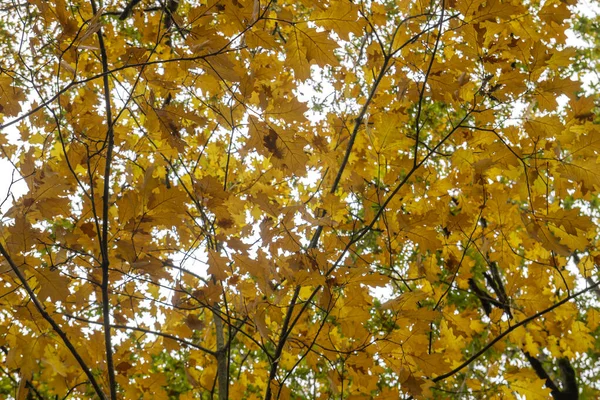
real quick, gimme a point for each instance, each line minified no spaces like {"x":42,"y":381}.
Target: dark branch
{"x":53,"y":324}
{"x":541,"y":372}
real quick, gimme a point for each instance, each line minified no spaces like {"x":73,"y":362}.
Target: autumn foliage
{"x":256,"y":199}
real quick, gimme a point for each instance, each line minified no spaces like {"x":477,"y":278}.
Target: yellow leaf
{"x":593,"y":318}
{"x":306,"y":46}
{"x":10,"y":97}
{"x":217,"y":265}
{"x":52,"y":285}
{"x":530,"y":389}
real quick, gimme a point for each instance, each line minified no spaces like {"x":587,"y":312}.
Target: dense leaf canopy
{"x":260,"y":199}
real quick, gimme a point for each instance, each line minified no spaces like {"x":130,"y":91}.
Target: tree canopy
{"x":271,"y":199}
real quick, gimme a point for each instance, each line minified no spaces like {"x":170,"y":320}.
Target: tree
{"x":270,"y":199}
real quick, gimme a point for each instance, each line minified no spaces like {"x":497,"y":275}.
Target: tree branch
{"x":512,"y":328}
{"x":285,"y":331}
{"x":221,"y":354}
{"x":541,"y":372}
{"x":144,"y":330}
{"x":422,"y":91}
{"x":110,"y":137}
{"x":52,"y":323}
